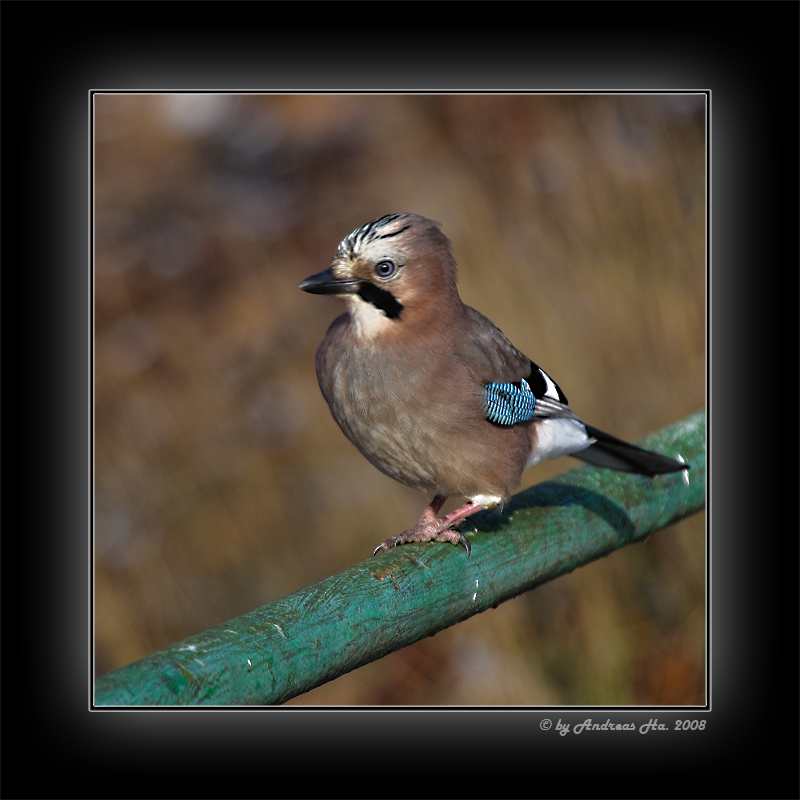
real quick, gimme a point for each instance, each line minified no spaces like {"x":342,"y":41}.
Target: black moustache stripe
{"x":381,"y":299}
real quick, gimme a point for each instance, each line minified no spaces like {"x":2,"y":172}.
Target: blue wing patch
{"x":507,"y":403}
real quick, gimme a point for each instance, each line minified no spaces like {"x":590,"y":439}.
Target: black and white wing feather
{"x":516,"y":391}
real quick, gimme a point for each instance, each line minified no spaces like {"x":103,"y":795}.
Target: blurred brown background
{"x":221,"y":480}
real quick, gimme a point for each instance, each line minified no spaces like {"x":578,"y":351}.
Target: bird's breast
{"x":418,"y":417}
{"x":380,"y":404}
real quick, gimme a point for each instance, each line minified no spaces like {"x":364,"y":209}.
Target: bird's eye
{"x":385,"y":269}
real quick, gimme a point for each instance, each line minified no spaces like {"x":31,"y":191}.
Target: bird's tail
{"x":608,"y":451}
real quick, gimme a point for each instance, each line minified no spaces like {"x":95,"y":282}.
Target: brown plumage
{"x":405,"y":370}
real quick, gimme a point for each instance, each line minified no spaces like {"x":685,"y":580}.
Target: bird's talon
{"x":389,"y":544}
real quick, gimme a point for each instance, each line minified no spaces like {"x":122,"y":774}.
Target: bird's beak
{"x":325,"y":283}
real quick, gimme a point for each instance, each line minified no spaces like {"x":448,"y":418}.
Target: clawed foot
{"x":430,"y":529}
{"x":418,"y":535}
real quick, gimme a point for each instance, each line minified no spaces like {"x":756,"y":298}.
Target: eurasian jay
{"x":431,"y":391}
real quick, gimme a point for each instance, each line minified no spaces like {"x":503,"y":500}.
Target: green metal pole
{"x":325,"y":630}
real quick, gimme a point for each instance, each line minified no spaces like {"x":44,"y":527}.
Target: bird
{"x":432,"y":392}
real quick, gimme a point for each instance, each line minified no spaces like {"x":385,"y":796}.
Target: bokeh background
{"x":222,"y":482}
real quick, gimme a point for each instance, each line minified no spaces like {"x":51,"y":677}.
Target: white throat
{"x":368,"y":321}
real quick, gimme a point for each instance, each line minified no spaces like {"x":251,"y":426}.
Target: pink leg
{"x":430,"y":513}
{"x":429,"y":528}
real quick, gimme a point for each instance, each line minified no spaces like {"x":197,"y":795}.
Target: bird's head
{"x":394,"y":271}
